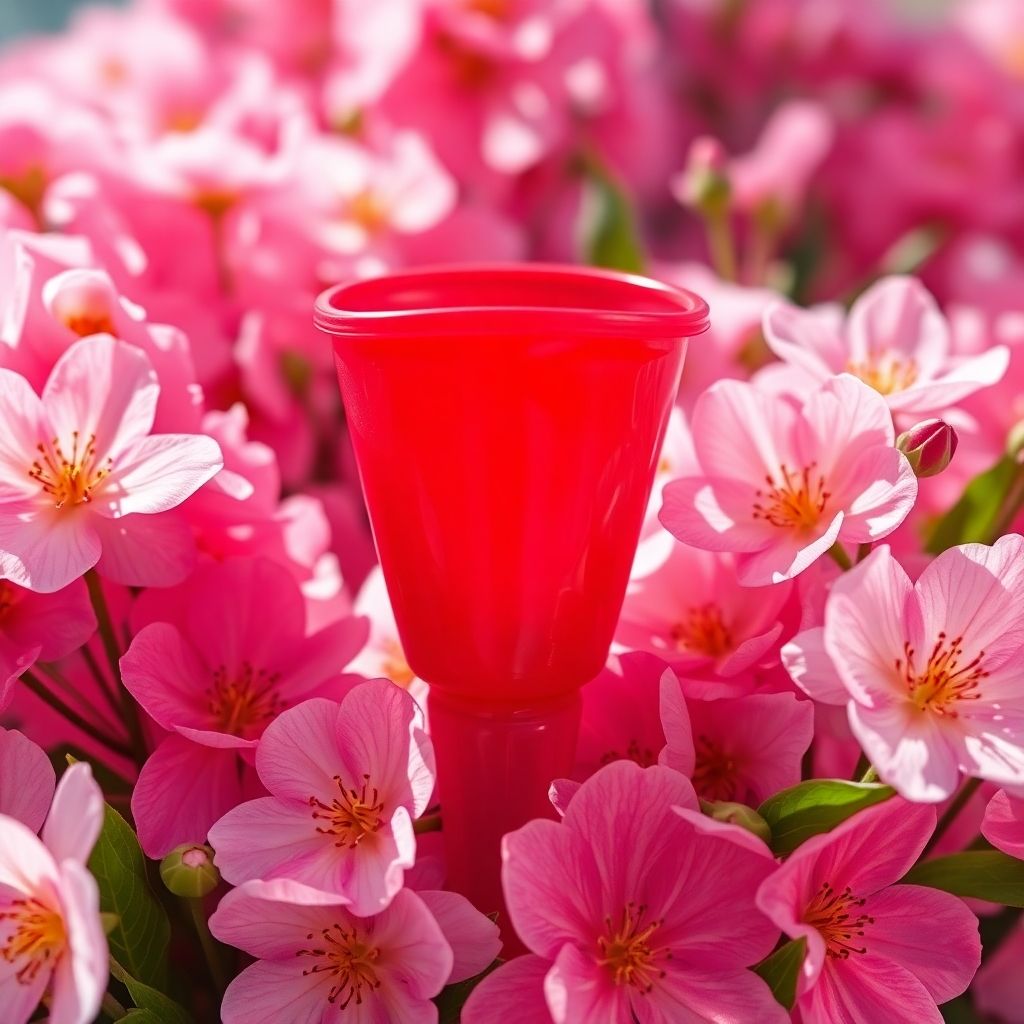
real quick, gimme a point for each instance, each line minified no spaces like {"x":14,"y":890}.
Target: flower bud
{"x":928,"y":446}
{"x":704,"y":185}
{"x":737,"y":814}
{"x":189,"y":871}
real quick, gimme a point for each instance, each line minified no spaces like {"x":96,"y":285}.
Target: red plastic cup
{"x":507,"y":422}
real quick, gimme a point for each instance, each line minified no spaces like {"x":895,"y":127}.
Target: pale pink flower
{"x":346,"y":781}
{"x":217,"y":662}
{"x":39,"y":627}
{"x":317,"y":961}
{"x":866,"y":950}
{"x":1003,"y":825}
{"x":51,"y":939}
{"x":632,"y":907}
{"x":740,"y":749}
{"x":779,"y":485}
{"x":895,"y":339}
{"x":930,"y":672}
{"x":694,"y":614}
{"x":27,"y":779}
{"x":82,"y":481}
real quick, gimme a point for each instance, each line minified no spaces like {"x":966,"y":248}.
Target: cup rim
{"x":682,"y":313}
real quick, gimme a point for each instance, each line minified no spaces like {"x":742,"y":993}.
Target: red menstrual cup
{"x":507,"y":422}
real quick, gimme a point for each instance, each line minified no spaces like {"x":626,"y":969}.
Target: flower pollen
{"x":703,"y":631}
{"x":796,"y":502}
{"x":244,"y":703}
{"x":70,"y":480}
{"x":715,"y":770}
{"x":943,"y":683}
{"x":348,"y":959}
{"x":886,"y":373}
{"x":627,"y":953}
{"x":836,"y":917}
{"x":351,"y":816}
{"x":37,"y":941}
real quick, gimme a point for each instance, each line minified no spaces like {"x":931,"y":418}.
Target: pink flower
{"x":895,"y":339}
{"x":39,"y":627}
{"x":1003,"y":825}
{"x":779,"y":485}
{"x":226,"y":661}
{"x":27,"y":779}
{"x":82,"y":481}
{"x":346,"y":781}
{"x":866,"y":950}
{"x":51,"y":939}
{"x":740,"y":749}
{"x":317,"y":961}
{"x":930,"y":672}
{"x":694,"y":614}
{"x":633,"y":909}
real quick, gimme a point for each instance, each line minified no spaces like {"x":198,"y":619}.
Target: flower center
{"x":643,"y":756}
{"x":703,"y":631}
{"x":395,"y":667}
{"x":85,"y":322}
{"x":367,"y":210}
{"x":943,"y":682}
{"x":37,"y":940}
{"x":885,"y":372}
{"x":352,"y":815}
{"x":348,"y":959}
{"x":28,"y":187}
{"x":836,"y":917}
{"x":499,"y":10}
{"x":70,"y":480}
{"x":627,"y":953}
{"x":795,"y":502}
{"x":715,"y":770}
{"x":244,"y":703}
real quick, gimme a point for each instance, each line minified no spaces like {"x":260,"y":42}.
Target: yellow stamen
{"x":348,"y":958}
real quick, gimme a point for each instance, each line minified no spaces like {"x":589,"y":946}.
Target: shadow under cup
{"x":506,"y":422}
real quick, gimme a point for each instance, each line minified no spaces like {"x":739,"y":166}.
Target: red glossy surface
{"x":506,"y":422}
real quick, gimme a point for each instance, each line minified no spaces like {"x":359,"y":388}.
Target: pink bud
{"x":703,"y":184}
{"x":928,"y":446}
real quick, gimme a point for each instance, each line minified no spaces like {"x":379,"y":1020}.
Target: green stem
{"x":840,"y":557}
{"x":208,"y":943}
{"x":721,"y":245}
{"x":36,"y":685}
{"x":428,"y":823}
{"x":112,"y":1008}
{"x":871,"y":775}
{"x":112,"y":648}
{"x":861,"y":769}
{"x":863,"y":551}
{"x":957,"y":804}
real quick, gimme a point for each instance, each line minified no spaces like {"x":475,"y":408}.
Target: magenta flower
{"x":779,"y":485}
{"x":895,"y":339}
{"x":866,"y":950}
{"x":1003,"y":825}
{"x":51,"y":940}
{"x":39,"y":627}
{"x":346,"y":781}
{"x":740,"y":749}
{"x":27,"y":779}
{"x":82,"y":480}
{"x":633,"y":910}
{"x":930,"y":672}
{"x":318,"y":962}
{"x":693,"y":613}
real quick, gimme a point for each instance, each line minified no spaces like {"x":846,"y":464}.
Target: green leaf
{"x":149,"y":999}
{"x":453,"y":997}
{"x":975,"y":515}
{"x":782,"y":970}
{"x":960,"y":1011}
{"x":981,"y":874}
{"x":141,"y":1017}
{"x":809,"y":808}
{"x":607,"y":223}
{"x":139,"y":942}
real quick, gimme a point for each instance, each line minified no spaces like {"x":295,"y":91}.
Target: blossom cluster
{"x":798,"y":791}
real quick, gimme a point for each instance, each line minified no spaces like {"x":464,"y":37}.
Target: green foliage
{"x":980,"y":874}
{"x":452,"y":999}
{"x":976,"y":516}
{"x":150,"y":1000}
{"x":817,"y":806}
{"x":139,"y":942}
{"x":781,"y":971}
{"x":608,"y":235}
